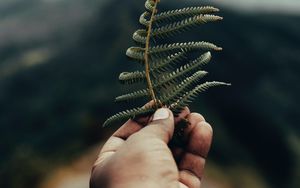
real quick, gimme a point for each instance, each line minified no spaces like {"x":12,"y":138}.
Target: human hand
{"x":137,"y":156}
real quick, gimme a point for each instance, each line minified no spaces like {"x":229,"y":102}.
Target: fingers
{"x":189,"y":179}
{"x":109,"y":148}
{"x":181,"y":185}
{"x":132,"y":126}
{"x":127,"y":129}
{"x":200,"y":138}
{"x":194,"y":165}
{"x":118,"y":139}
{"x":162,"y":125}
{"x":192,"y":161}
{"x":193,"y":119}
{"x":183,"y":114}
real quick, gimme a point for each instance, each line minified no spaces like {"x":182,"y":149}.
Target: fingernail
{"x":161,"y":114}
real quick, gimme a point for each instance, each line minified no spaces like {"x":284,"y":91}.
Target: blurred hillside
{"x":254,"y":6}
{"x":59,"y":63}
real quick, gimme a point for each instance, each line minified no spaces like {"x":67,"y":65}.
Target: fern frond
{"x":171,"y":78}
{"x":132,"y":77}
{"x":128,"y":114}
{"x":140,"y":36}
{"x":178,"y":27}
{"x":189,"y":96}
{"x":149,"y":5}
{"x":143,"y":20}
{"x":184,"y":13}
{"x":167,"y":97}
{"x":175,"y":77}
{"x":169,"y":48}
{"x":185,"y":86}
{"x":133,"y":96}
{"x":136,"y":53}
{"x":164,"y":65}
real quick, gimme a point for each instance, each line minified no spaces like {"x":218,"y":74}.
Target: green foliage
{"x":183,"y":13}
{"x":180,"y":26}
{"x":172,"y":79}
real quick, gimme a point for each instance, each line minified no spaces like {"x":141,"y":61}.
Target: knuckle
{"x":198,"y":117}
{"x":207,"y":126}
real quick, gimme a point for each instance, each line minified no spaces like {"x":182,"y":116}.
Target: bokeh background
{"x":59,"y":63}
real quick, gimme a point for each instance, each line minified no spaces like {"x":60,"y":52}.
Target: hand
{"x":139,"y":157}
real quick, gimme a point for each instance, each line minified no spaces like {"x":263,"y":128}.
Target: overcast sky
{"x":286,"y":6}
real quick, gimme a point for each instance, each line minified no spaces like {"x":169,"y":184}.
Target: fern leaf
{"x":177,"y":27}
{"x":175,"y":77}
{"x":169,"y":81}
{"x":168,"y":48}
{"x":121,"y":116}
{"x":132,"y":77}
{"x":184,"y":13}
{"x":163,"y":81}
{"x":136,"y":53}
{"x":164,"y":65}
{"x":149,"y":5}
{"x":189,"y":96}
{"x":176,"y":92}
{"x":143,"y":20}
{"x":133,"y":96}
{"x":140,"y":36}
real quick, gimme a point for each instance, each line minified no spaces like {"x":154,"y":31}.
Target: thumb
{"x":161,"y":126}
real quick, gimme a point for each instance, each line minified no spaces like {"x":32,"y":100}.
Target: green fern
{"x":169,"y":77}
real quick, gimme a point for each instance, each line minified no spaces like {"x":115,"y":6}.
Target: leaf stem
{"x":146,"y":57}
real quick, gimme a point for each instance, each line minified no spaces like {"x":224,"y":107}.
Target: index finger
{"x":133,"y":125}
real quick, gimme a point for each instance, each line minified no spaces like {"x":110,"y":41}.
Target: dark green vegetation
{"x":52,"y":111}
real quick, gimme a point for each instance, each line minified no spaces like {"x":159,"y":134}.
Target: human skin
{"x":138,"y":156}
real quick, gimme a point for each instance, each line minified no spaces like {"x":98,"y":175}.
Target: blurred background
{"x":59,"y":63}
